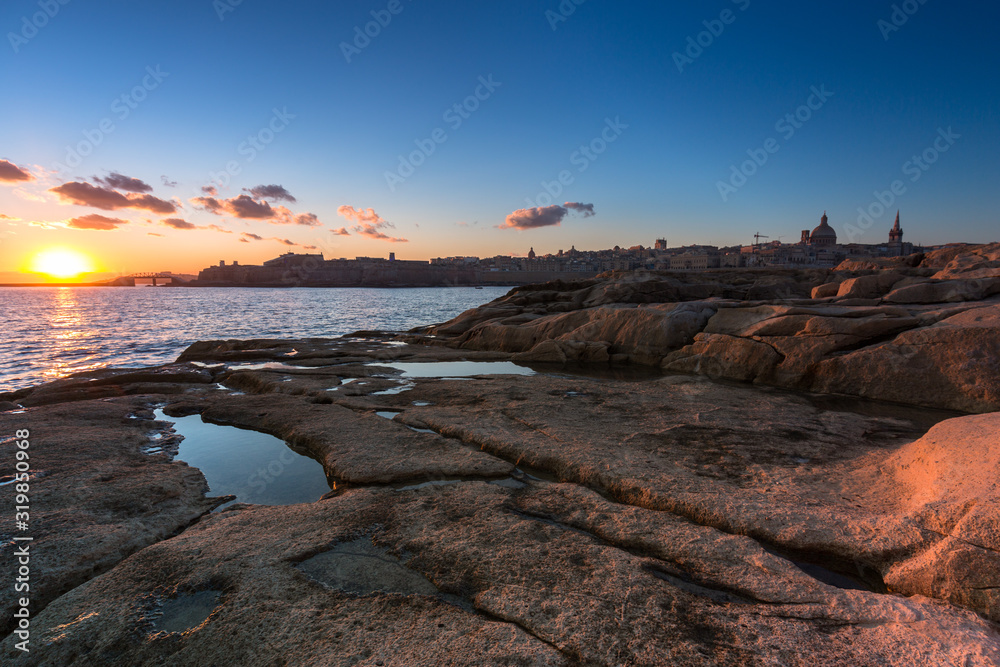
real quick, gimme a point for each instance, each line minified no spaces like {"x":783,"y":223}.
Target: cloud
{"x":167,"y":182}
{"x":119,"y":182}
{"x":341,"y":232}
{"x":28,"y":196}
{"x":210,"y":190}
{"x":544,"y":216}
{"x":96,"y":222}
{"x":210,"y":204}
{"x":85,"y":194}
{"x":42,"y":224}
{"x":362,"y":216}
{"x":11,"y":173}
{"x":373,"y":233}
{"x":177,"y":223}
{"x":273,"y":192}
{"x":217,"y":228}
{"x":369,"y":223}
{"x":248,"y":208}
{"x":7,"y":217}
{"x":586,"y":209}
{"x":154,"y":234}
{"x":308,"y":220}
{"x":247,"y":237}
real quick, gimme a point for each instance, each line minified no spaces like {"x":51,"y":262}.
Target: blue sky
{"x":679,"y":132}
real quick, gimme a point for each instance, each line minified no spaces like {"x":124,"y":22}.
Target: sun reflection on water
{"x":51,"y":332}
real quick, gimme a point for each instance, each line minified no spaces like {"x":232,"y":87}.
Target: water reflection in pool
{"x":255,"y":467}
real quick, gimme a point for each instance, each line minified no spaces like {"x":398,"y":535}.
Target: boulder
{"x":868,"y":287}
{"x":947,"y":483}
{"x":826,"y":290}
{"x":951,"y":364}
{"x":946,"y":291}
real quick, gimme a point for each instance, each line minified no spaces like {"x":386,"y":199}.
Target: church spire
{"x":896,"y":235}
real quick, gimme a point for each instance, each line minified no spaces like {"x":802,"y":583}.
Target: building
{"x":896,"y":239}
{"x":823,"y":236}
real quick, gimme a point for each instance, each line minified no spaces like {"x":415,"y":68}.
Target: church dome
{"x":824,"y":230}
{"x":824,"y":234}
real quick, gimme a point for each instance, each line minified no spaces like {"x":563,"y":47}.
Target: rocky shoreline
{"x":752,"y":468}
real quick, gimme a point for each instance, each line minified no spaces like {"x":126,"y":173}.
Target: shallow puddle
{"x":187,"y":612}
{"x":620,"y":373}
{"x":255,"y":467}
{"x":362,"y":568}
{"x":405,"y":386}
{"x":458,"y":369}
{"x":265,"y":366}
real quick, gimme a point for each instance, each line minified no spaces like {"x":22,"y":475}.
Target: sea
{"x":49,"y":332}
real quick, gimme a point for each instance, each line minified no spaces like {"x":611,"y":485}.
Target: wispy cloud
{"x":247,"y":237}
{"x":272,"y":192}
{"x":95,"y":222}
{"x":118,"y":181}
{"x":369,"y":224}
{"x":177,"y":223}
{"x":21,"y":193}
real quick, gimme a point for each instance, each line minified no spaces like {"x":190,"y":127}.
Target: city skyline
{"x":430,"y":137}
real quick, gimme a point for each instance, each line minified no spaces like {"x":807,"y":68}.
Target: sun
{"x":61,"y":263}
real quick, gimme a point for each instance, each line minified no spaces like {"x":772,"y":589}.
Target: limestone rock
{"x":947,"y":291}
{"x":825,"y":290}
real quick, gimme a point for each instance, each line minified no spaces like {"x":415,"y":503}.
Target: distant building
{"x":823,"y":236}
{"x":896,"y":239}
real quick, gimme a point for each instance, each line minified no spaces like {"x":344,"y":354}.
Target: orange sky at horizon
{"x":107,"y":225}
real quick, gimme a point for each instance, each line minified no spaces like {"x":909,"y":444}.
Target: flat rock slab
{"x":95,"y":497}
{"x":547,"y":575}
{"x":512,"y":520}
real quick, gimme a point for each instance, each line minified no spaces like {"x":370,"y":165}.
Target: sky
{"x":171,"y":134}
